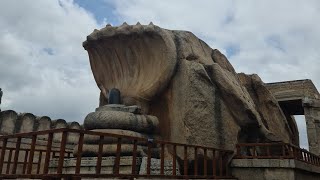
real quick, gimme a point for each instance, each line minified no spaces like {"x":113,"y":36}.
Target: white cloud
{"x":279,"y":40}
{"x":44,"y":68}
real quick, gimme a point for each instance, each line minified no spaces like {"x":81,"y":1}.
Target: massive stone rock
{"x":268,"y":108}
{"x":192,"y":89}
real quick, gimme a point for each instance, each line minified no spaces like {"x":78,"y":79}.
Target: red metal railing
{"x":188,"y":161}
{"x":278,"y":150}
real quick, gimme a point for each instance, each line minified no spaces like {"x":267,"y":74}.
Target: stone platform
{"x":273,"y":169}
{"x":88,"y":165}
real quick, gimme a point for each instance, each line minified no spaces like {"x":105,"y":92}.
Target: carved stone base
{"x":89,"y":164}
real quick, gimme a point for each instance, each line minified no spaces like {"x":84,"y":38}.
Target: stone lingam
{"x":117,"y":118}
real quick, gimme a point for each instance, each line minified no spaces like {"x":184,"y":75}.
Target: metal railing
{"x":188,"y":161}
{"x":278,"y":150}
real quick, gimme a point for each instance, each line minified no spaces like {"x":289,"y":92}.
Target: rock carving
{"x":187,"y":91}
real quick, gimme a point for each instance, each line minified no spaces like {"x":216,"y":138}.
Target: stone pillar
{"x":312,"y":116}
{"x":44,"y":123}
{"x":26,"y":123}
{"x":73,"y":138}
{"x":8,"y":121}
{"x":58,"y":124}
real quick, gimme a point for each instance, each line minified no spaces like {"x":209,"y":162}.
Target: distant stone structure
{"x":300,"y":97}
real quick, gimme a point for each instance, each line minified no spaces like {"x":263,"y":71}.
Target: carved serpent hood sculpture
{"x":138,"y":60}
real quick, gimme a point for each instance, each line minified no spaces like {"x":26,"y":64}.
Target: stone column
{"x":8,"y":121}
{"x":312,"y":116}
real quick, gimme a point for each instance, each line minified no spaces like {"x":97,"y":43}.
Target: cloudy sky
{"x":45,"y":70}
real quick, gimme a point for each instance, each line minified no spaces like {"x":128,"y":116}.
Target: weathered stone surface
{"x":120,"y":107}
{"x":291,"y":90}
{"x":155,"y":167}
{"x":275,"y":169}
{"x":121,"y":120}
{"x":91,"y":139}
{"x":192,"y":110}
{"x":57,"y":124}
{"x":267,"y":106}
{"x":8,"y":121}
{"x":89,"y":164}
{"x":73,"y":138}
{"x":92,"y":150}
{"x":26,"y":122}
{"x":44,"y":123}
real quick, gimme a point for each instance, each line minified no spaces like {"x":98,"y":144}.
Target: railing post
{"x":39,"y":162}
{"x":80,"y":145}
{"x":62,"y":151}
{"x":195,"y":161}
{"x":117,"y":160}
{"x":99,"y":160}
{"x":214,"y":167}
{"x":254,"y":152}
{"x":283,"y":150}
{"x":134,"y":157}
{"x":220,"y":163}
{"x":185,"y":161}
{"x":32,"y":149}
{"x":48,"y":152}
{"x":16,"y":156}
{"x":162,"y":160}
{"x":3,"y":152}
{"x":174,"y":163}
{"x":268,"y":151}
{"x":226,"y":163}
{"x":24,"y":168}
{"x":149,"y":156}
{"x":238,"y":150}
{"x":205,"y":164}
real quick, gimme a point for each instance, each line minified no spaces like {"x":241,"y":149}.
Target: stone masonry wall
{"x":12,"y":122}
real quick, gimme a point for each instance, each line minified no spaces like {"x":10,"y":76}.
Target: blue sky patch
{"x":275,"y":42}
{"x":232,"y":50}
{"x":49,"y":51}
{"x":100,"y":9}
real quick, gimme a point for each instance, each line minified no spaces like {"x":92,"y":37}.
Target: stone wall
{"x":12,"y":122}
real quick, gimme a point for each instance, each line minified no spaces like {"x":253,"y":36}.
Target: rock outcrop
{"x":192,"y":89}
